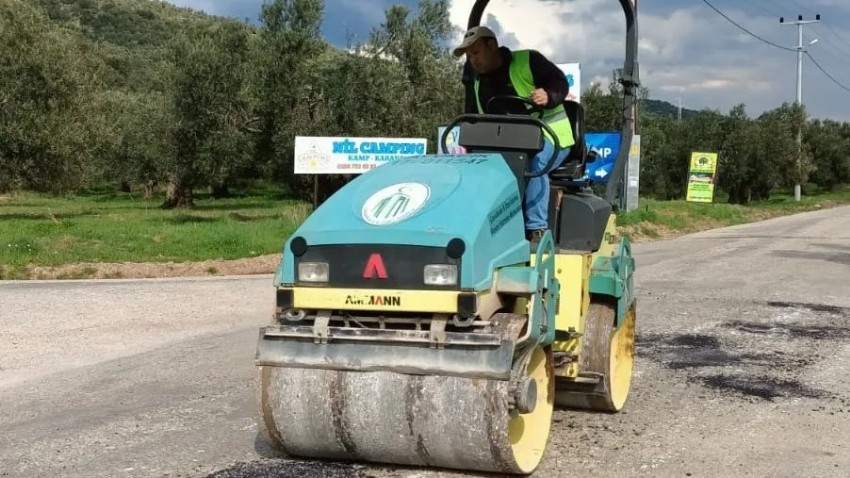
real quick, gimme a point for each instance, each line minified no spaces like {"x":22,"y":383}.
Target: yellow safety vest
{"x":523,"y":82}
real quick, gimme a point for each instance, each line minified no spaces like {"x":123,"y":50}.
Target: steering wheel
{"x":534,"y":107}
{"x":470,"y":118}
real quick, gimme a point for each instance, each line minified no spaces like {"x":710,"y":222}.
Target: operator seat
{"x":573,"y":167}
{"x":577,"y":218}
{"x":516,"y":139}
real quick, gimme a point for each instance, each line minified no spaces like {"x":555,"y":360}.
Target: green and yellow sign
{"x":701,"y":176}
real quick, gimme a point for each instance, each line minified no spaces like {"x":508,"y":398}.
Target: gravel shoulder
{"x":743,"y":347}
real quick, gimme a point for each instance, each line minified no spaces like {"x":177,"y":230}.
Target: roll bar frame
{"x":629,"y":79}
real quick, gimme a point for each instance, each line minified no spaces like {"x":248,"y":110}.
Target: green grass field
{"x":38,"y":230}
{"x":655,"y":218}
{"x":45,"y":231}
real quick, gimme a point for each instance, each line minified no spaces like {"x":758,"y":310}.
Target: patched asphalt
{"x":743,"y":350}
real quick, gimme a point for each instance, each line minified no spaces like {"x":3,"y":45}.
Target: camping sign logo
{"x":395,"y":203}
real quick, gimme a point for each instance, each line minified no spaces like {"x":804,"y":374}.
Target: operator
{"x":529,"y":74}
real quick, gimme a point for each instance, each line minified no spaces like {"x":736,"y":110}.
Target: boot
{"x":535,"y":236}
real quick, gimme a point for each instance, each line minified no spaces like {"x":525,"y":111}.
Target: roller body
{"x":405,"y":332}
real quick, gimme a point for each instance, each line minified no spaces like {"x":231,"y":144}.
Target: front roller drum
{"x":414,"y":420}
{"x":605,"y":364}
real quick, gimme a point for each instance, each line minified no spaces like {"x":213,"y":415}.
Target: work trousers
{"x":536,"y":203}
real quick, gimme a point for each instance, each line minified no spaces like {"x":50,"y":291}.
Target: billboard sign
{"x":573,"y":73}
{"x":606,"y":145}
{"x":345,"y":155}
{"x":452,"y":141}
{"x":701,"y":177}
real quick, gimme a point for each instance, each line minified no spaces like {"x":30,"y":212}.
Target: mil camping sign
{"x":343,"y":155}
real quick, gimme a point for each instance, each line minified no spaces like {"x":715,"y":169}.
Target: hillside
{"x":665,"y":109}
{"x":125,"y":23}
{"x":132,"y":35}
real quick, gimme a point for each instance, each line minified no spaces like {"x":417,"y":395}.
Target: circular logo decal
{"x":395,"y":203}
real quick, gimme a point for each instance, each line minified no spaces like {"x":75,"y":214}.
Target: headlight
{"x":313,"y":272}
{"x":441,"y":274}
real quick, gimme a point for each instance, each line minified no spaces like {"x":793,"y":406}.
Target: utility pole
{"x":680,"y":109}
{"x":800,"y":49}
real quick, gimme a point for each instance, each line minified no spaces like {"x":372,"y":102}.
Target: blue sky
{"x":688,"y":50}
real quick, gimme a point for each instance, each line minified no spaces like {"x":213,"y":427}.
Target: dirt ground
{"x":265,"y":264}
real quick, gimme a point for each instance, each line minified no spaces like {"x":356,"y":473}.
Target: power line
{"x":799,"y":49}
{"x":840,"y":48}
{"x":762,"y":8}
{"x":744,"y":29}
{"x":825,"y":72}
{"x":835,"y":34}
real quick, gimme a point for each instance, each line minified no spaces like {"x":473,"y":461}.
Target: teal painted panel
{"x":604,"y":279}
{"x":613,"y":276}
{"x":427,"y":200}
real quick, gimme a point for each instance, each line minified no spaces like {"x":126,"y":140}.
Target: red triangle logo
{"x":375,"y":266}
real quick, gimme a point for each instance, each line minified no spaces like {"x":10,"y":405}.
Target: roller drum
{"x":419,"y":420}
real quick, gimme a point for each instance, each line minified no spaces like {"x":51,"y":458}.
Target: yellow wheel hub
{"x":622,"y":361}
{"x":606,"y":354}
{"x":529,"y":433}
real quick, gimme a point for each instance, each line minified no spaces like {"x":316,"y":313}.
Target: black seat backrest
{"x":517,"y":142}
{"x":494,"y":136}
{"x":575,"y":112}
{"x":574,"y":165}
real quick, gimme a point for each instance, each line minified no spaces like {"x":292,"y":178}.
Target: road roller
{"x":414,"y":322}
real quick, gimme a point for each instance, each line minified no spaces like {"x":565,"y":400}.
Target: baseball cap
{"x":471,"y":36}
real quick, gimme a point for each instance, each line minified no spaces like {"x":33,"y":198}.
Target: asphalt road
{"x":743,"y":353}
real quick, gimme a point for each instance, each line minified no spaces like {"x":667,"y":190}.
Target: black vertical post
{"x":630,"y":79}
{"x":315,"y":191}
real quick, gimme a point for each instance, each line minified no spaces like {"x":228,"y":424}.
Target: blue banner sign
{"x":606,"y":145}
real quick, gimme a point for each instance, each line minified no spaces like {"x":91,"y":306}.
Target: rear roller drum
{"x":433,"y":421}
{"x":607,"y":355}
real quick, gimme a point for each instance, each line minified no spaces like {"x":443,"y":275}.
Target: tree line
{"x":146,"y":95}
{"x":756,"y":155}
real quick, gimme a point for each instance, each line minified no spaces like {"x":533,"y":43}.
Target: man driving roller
{"x":528,"y":74}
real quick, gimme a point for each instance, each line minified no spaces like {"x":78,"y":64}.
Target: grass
{"x":655,"y":218}
{"x":98,"y":227}
{"x":37,"y":230}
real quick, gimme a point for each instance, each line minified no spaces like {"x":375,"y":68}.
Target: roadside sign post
{"x":321,"y":155}
{"x":701,"y":177}
{"x":632,"y":194}
{"x":607,"y":146}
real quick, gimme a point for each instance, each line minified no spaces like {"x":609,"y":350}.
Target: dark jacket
{"x":546,"y":75}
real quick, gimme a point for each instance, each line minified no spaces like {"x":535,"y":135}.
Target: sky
{"x":688,"y":51}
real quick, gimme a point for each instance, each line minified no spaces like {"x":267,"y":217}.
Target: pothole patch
{"x":824,"y":308}
{"x":288,"y":469}
{"x":763,"y":354}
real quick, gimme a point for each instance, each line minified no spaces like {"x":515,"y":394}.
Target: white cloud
{"x":686,"y":50}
